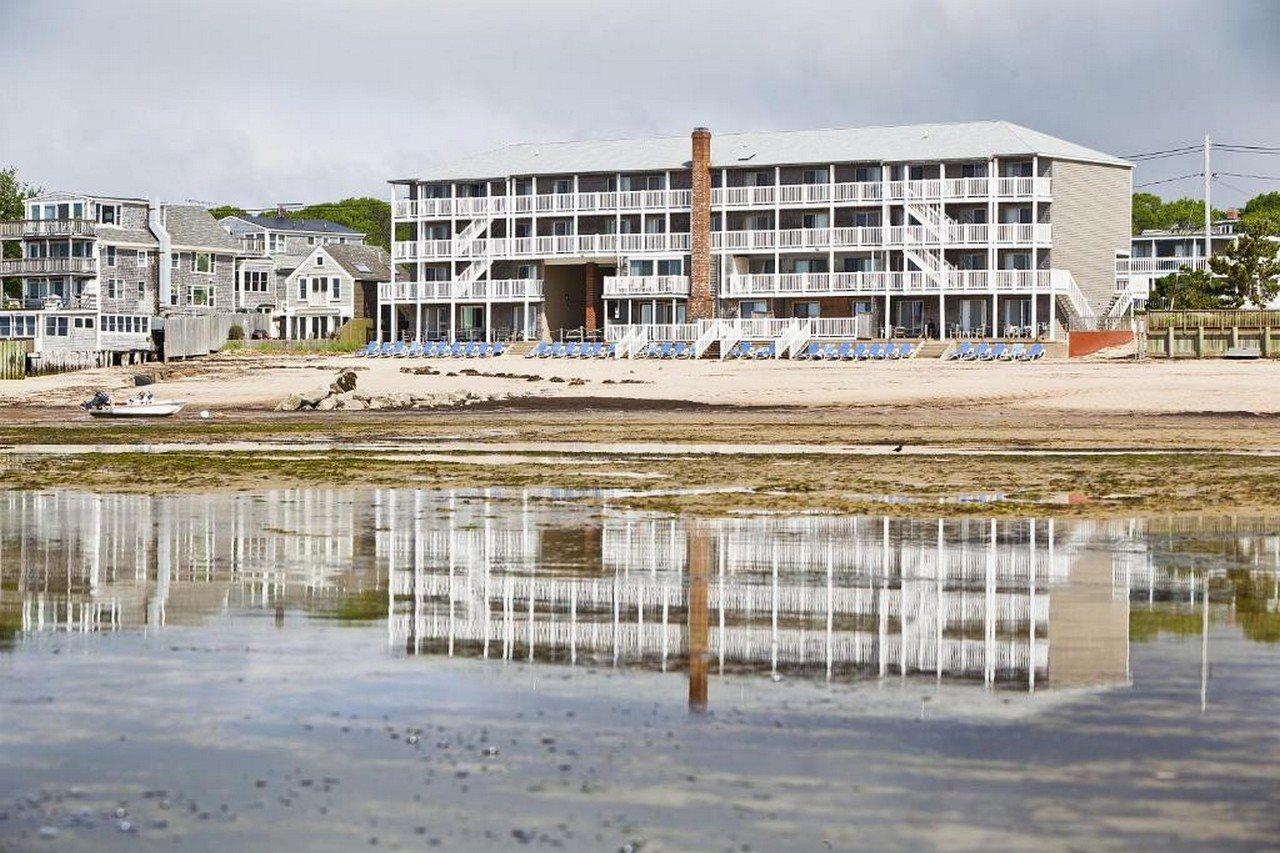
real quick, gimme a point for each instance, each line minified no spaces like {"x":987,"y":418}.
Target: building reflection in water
{"x":521,"y":576}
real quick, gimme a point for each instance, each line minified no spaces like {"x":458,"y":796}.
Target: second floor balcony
{"x":787,"y":285}
{"x":627,"y":286}
{"x":484,"y":290}
{"x":48,"y":266}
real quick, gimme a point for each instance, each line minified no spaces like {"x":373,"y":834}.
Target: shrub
{"x":235,"y":333}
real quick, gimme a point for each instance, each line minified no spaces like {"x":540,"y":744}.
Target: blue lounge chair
{"x":812,"y":351}
{"x":907,"y":350}
{"x":384,"y":351}
{"x":876,"y":352}
{"x":398,"y":350}
{"x":665,"y":349}
{"x":370,"y":350}
{"x":994,"y":353}
{"x":1014,"y":353}
{"x":607,"y":350}
{"x":860,"y":352}
{"x":830,"y":353}
{"x":499,"y":348}
{"x":595,"y":350}
{"x":977,"y":352}
{"x":742,"y":349}
{"x":650,"y":350}
{"x":960,"y":352}
{"x":559,"y":350}
{"x":1036,"y":351}
{"x":766,"y":351}
{"x":414,"y":350}
{"x":538,"y":351}
{"x":574,"y":350}
{"x":845,"y":353}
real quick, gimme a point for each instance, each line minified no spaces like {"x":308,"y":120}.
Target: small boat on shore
{"x":142,"y":405}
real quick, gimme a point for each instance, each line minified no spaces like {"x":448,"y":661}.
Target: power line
{"x":1245,"y":175}
{"x":1268,"y":149}
{"x":1169,"y":180}
{"x":1229,"y":186}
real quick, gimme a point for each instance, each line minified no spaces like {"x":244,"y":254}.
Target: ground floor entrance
{"x":295,"y":328}
{"x":493,"y":321}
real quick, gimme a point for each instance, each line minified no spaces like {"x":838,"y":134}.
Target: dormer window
{"x":109,"y":214}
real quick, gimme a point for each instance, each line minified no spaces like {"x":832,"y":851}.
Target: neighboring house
{"x":272,"y":248}
{"x":97,"y":269}
{"x":332,"y":285}
{"x":930,"y":230}
{"x":280,"y":235}
{"x":1156,"y":253}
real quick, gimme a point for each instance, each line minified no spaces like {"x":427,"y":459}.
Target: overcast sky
{"x":256,"y":102}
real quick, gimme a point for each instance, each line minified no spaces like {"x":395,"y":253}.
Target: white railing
{"x":974,"y":188}
{"x":48,"y":228}
{"x":543,"y":203}
{"x":645,"y":285}
{"x":1141,"y":266}
{"x":515,"y":289}
{"x":840,"y":283}
{"x":872,"y":191}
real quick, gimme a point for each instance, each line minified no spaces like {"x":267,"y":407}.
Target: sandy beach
{"x":249,"y":384}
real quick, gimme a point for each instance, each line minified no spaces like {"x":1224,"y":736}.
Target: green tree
{"x":369,"y":216}
{"x":1250,"y":269}
{"x":1151,"y":212}
{"x":227,"y":210}
{"x":13,"y":195}
{"x":1187,"y":290}
{"x":1263,"y":205}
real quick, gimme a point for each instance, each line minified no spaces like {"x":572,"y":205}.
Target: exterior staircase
{"x":463,"y":245}
{"x":934,"y":221}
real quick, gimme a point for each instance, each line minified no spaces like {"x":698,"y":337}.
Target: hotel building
{"x":929,"y":231}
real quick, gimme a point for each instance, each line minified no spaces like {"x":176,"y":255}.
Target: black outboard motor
{"x":100,"y":401}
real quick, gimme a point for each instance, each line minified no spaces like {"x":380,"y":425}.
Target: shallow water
{"x":409,"y":669}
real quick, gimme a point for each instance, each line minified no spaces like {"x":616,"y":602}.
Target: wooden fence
{"x":13,"y":359}
{"x":1242,"y":319}
{"x":201,"y":334}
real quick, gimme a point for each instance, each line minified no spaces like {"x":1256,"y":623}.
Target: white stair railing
{"x":730,"y":337}
{"x":710,"y":334}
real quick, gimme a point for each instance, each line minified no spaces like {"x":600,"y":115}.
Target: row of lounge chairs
{"x":441,"y":349}
{"x":571,"y":350}
{"x":998,"y":351}
{"x":859,"y":352}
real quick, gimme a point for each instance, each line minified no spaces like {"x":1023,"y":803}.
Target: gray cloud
{"x":256,"y":102}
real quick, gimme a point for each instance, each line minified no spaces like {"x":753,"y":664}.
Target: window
{"x":142,"y":258}
{"x":674,"y":266}
{"x":114,"y":288}
{"x":653,"y":225}
{"x":110,"y":256}
{"x":202,"y":262}
{"x":561,"y":186}
{"x":805,"y":309}
{"x":815,"y":176}
{"x":311,"y":241}
{"x":109,"y":214}
{"x":751,"y":309}
{"x":562,"y":228}
{"x":55,"y":327}
{"x":142,"y":290}
{"x":866,"y":218}
{"x":302,"y":288}
{"x":337,"y":289}
{"x":973,"y":170}
{"x":1017,"y":261}
{"x":813,"y":220}
{"x":641,"y":267}
{"x":173,"y":260}
{"x":276,"y":242}
{"x":319,"y":260}
{"x":811,"y":265}
{"x":915,"y":173}
{"x":866,"y":174}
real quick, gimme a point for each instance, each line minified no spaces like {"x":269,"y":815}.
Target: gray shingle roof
{"x":363,"y":263}
{"x":112,"y":234}
{"x":900,"y":143}
{"x":192,"y":226}
{"x":310,"y":226}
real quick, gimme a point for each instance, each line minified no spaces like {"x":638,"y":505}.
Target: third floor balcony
{"x":33,"y":228}
{"x":48,"y":266}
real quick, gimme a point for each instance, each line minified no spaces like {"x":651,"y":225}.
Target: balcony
{"x":495,"y":290}
{"x":854,"y":283}
{"x":48,"y":266}
{"x":876,"y":237}
{"x":579,"y":245}
{"x":624,"y":286}
{"x":862,"y":192}
{"x":543,"y":204}
{"x":24,"y":228}
{"x":1158,"y":266}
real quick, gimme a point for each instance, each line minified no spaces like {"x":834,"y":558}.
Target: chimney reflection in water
{"x":701,"y":555}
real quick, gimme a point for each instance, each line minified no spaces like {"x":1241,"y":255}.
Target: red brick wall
{"x":594,"y":306}
{"x":700,"y":303}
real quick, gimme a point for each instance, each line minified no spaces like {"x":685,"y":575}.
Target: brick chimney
{"x":700,"y":301}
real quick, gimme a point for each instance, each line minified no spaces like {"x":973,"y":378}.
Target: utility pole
{"x":1208,"y":209}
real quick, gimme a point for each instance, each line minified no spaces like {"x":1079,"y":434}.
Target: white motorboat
{"x":143,"y":405}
